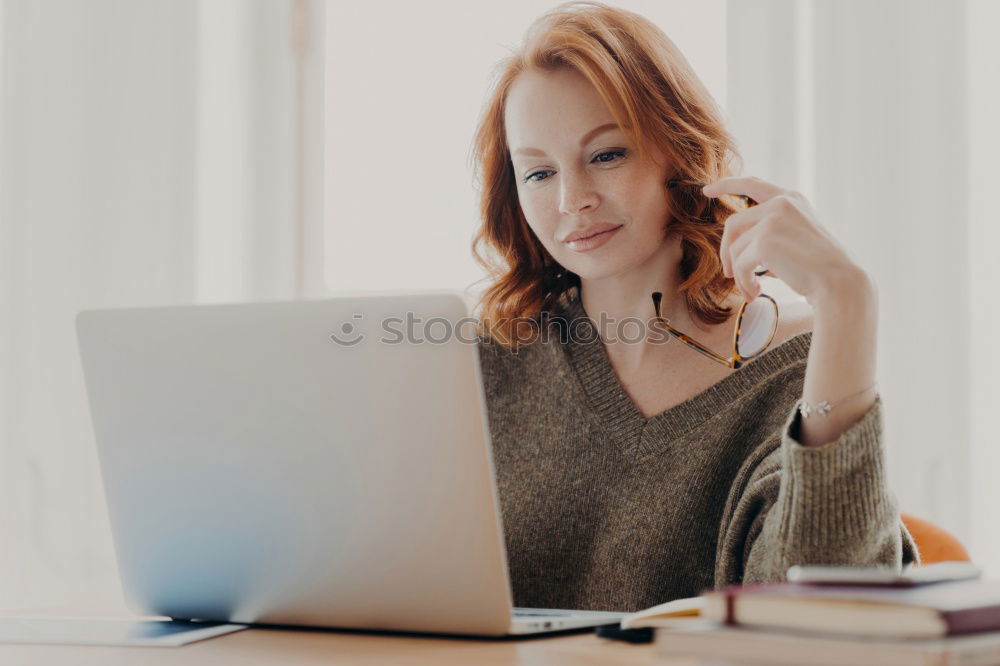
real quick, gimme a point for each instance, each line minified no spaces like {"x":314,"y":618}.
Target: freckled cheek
{"x":632,"y":184}
{"x":623,"y":187}
{"x":646,"y":197}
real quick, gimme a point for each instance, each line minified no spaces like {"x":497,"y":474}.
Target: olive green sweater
{"x":606,"y":509}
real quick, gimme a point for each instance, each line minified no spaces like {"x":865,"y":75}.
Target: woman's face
{"x":577,"y":174}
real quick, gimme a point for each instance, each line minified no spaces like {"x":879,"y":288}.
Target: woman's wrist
{"x":842,"y":356}
{"x":849,"y":293}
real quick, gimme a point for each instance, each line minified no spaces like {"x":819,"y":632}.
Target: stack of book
{"x":903,"y":621}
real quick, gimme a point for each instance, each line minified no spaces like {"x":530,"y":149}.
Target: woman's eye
{"x":531,"y":177}
{"x":611,"y":153}
{"x":599,"y":158}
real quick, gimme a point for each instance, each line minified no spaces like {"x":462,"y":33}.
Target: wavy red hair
{"x":658,"y":101}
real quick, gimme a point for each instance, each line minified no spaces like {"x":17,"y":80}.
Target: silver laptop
{"x":322,"y":463}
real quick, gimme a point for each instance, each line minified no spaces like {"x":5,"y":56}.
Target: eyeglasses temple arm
{"x":657,"y":296}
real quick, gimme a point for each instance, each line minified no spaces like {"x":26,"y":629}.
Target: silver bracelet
{"x":824,"y":407}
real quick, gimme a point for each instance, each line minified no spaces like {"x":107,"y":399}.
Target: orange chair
{"x":933,"y":543}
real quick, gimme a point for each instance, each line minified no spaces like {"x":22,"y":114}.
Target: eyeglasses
{"x":756,"y":322}
{"x":676,"y":182}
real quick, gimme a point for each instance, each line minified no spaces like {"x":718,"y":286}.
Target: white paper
{"x":679,"y":610}
{"x":98,"y":631}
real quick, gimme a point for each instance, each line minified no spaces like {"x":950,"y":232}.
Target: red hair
{"x":658,"y":101}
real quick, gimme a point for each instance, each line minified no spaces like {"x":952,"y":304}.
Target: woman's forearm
{"x":842,"y":356}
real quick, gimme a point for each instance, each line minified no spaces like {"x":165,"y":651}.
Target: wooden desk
{"x":331,"y":648}
{"x":288,"y":647}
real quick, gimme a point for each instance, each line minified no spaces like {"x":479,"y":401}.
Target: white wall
{"x":405,"y":88}
{"x":97,"y":111}
{"x":151,"y":152}
{"x":979,"y":335}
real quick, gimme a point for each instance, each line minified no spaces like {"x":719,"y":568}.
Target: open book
{"x":676,"y":613}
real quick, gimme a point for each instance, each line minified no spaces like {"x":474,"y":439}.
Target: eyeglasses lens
{"x":760,"y":319}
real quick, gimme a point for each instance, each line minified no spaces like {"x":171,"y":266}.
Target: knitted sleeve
{"x":824,"y":505}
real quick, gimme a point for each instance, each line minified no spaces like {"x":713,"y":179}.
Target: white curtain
{"x":150,"y":153}
{"x":879,"y":112}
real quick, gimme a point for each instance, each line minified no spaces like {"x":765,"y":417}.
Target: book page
{"x":669,"y":614}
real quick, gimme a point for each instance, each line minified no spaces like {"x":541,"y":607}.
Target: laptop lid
{"x":317,"y":462}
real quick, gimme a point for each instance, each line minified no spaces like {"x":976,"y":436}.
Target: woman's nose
{"x":576,"y":193}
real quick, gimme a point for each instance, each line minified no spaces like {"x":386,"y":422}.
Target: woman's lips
{"x":592,"y":242}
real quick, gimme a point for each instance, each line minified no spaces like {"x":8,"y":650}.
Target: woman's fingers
{"x":743,"y":272}
{"x":746,"y":251}
{"x":736,"y":226}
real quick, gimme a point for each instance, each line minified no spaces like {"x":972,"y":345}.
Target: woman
{"x":633,"y":469}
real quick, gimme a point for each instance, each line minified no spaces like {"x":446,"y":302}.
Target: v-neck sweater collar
{"x":638,"y":434}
